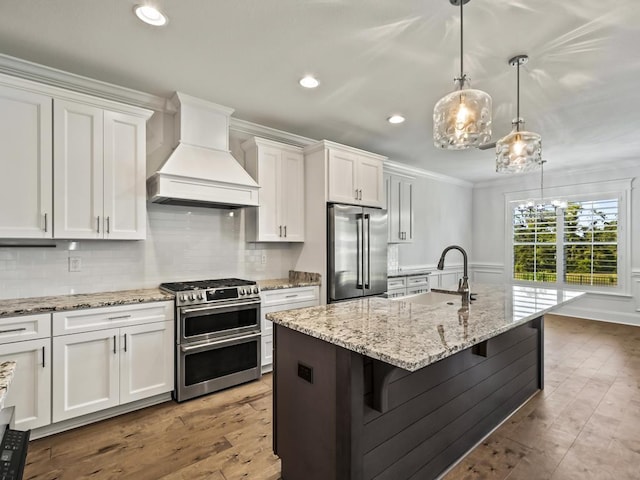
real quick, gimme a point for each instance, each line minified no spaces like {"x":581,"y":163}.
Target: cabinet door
{"x":86,"y":379}
{"x":30,"y":390}
{"x":77,"y":160}
{"x":269,"y":179}
{"x":26,"y":165}
{"x":405,"y":209}
{"x":292,"y":196}
{"x":369,"y":181}
{"x":146,"y":362}
{"x":124,"y":177}
{"x":343,"y":177}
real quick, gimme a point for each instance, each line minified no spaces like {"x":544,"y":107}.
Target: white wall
{"x":489,"y":235}
{"x":182,"y":244}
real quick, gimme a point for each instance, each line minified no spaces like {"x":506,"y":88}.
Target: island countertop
{"x":411,"y":335}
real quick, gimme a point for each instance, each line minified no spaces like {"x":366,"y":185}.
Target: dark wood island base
{"x":342,"y":415}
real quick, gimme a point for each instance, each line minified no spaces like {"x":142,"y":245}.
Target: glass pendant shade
{"x":462,"y":119}
{"x":519,"y":151}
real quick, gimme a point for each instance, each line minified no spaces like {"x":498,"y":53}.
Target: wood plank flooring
{"x":584,"y":425}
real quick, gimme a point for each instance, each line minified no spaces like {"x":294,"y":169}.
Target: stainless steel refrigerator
{"x":357,"y":252}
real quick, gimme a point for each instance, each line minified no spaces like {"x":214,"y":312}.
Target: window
{"x":579,"y":242}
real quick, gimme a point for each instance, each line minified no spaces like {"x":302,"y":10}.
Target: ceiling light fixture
{"x":396,"y":119}
{"x":519,"y":151}
{"x":309,"y":81}
{"x":150,"y":15}
{"x":462,"y":119}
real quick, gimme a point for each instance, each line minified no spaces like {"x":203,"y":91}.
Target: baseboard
{"x":98,"y":416}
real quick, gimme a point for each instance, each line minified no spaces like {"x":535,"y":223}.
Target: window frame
{"x":620,"y":189}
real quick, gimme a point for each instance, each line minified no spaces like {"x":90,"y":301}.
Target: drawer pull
{"x":119,"y":317}
{"x":291,"y":296}
{"x":22,"y":329}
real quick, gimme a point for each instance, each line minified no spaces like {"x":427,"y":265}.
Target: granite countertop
{"x":296,"y":279}
{"x":24,"y":306}
{"x":7,"y":370}
{"x":411,"y":335}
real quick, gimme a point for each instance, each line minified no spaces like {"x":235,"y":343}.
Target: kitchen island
{"x":396,"y":389}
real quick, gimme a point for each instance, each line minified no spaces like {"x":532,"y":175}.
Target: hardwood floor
{"x":584,"y":425}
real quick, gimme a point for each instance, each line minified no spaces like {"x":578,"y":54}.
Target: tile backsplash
{"x":182,"y":244}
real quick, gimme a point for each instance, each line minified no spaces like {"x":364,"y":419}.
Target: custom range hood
{"x":201,"y":171}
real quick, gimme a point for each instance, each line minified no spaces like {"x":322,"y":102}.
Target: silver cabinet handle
{"x":280,"y":230}
{"x":98,"y":224}
{"x":108,"y":225}
{"x":356,"y":197}
{"x":46,"y":223}
{"x":285,"y":231}
{"x":119,"y":317}
{"x":43,"y":358}
{"x":114,"y":344}
{"x":125,"y":342}
{"x":360,"y":195}
{"x":291,"y":296}
{"x":13,"y":330}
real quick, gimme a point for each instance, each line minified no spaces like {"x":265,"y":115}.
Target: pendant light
{"x":519,"y":151}
{"x":462,"y":119}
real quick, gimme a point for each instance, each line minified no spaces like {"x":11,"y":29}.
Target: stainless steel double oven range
{"x":217,"y":335}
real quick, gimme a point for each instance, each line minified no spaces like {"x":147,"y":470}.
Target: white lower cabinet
{"x":27,"y":341}
{"x":277,"y":301}
{"x":106,"y":367}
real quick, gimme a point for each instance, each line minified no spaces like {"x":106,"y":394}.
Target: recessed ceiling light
{"x":395,"y":119}
{"x":309,"y":82}
{"x":150,"y":15}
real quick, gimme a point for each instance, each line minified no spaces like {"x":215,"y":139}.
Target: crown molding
{"x":268,"y":133}
{"x":24,"y":69}
{"x":400,"y":168}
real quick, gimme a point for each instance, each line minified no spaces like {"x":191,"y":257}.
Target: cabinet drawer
{"x":27,"y":327}
{"x":396,"y":282}
{"x":289,"y":295}
{"x":416,"y":280}
{"x":92,"y":319}
{"x":417,"y":289}
{"x":397,"y":292}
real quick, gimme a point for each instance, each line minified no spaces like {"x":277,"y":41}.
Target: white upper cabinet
{"x":99,"y":172}
{"x":355,"y":177}
{"x":73,"y":166}
{"x":400,"y":208}
{"x":279,"y":170}
{"x":25,"y":163}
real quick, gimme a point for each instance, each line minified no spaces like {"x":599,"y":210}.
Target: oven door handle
{"x":218,"y":307}
{"x":218,"y":343}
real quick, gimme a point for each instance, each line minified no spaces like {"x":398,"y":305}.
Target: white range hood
{"x":201,"y":171}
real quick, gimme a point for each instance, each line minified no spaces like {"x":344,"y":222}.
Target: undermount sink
{"x":432,"y":298}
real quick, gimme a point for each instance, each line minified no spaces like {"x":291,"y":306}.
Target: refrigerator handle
{"x":366,"y":254}
{"x":359,"y":252}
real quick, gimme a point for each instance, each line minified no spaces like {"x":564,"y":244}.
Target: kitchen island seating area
{"x":390,"y":389}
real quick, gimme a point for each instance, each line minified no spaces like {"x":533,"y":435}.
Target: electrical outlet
{"x":264,"y":259}
{"x":75,"y":264}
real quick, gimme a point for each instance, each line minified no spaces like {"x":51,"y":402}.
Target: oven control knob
{"x":241,"y":291}
{"x":201,"y":296}
{"x":192,"y":296}
{"x":256,"y":290}
{"x":183,"y":298}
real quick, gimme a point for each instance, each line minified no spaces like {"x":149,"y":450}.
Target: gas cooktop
{"x":205,"y":284}
{"x":212,"y":291}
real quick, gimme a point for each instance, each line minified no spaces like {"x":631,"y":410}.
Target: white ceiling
{"x":373,"y":58}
